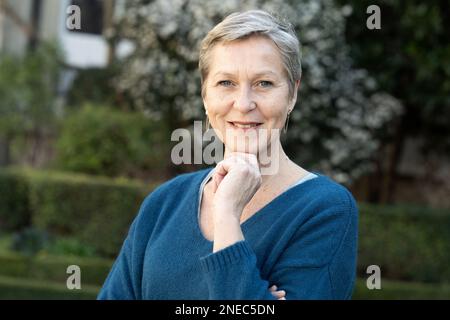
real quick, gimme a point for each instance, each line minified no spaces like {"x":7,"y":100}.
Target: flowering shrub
{"x":340,"y":114}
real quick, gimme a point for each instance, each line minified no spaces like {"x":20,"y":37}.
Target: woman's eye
{"x":265,"y":84}
{"x":225,"y":83}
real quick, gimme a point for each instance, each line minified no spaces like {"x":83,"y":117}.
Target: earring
{"x":286,"y":123}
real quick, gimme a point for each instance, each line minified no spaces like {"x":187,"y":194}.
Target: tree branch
{"x":23,"y":26}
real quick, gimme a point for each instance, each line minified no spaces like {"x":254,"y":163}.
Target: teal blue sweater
{"x":304,"y":241}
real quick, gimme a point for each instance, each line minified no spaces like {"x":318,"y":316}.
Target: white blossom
{"x":338,"y":114}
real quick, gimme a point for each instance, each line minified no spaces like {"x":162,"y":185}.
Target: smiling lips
{"x":244,"y":125}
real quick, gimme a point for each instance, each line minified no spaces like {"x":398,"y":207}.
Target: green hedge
{"x":53,"y":268}
{"x":100,"y":140}
{"x":14,"y":204}
{"x":29,"y":289}
{"x":21,"y":288}
{"x":407,"y":243}
{"x":97,"y":211}
{"x":44,"y":269}
{"x":396,"y":290}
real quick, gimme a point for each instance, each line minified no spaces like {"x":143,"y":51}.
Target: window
{"x":91,"y":16}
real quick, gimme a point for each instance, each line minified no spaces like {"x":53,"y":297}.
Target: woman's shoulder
{"x":324,"y":191}
{"x":182,"y":185}
{"x":183,"y":181}
{"x":168,"y":195}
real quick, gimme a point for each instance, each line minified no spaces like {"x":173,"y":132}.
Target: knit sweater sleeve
{"x":232,"y":274}
{"x":318,"y":262}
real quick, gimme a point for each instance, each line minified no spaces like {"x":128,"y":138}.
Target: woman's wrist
{"x":227,"y":231}
{"x":228,"y":213}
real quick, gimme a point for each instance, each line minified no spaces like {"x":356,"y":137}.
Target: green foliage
{"x":54,"y":268}
{"x":92,"y":214}
{"x":70,"y":247}
{"x":397,"y":290}
{"x":30,"y":241}
{"x":410,"y":58}
{"x":99,"y":140}
{"x":14,"y":205}
{"x":89,"y":209}
{"x":93,"y":85}
{"x":23,"y":288}
{"x":29,"y":289}
{"x":28,"y":89}
{"x":408,"y":243}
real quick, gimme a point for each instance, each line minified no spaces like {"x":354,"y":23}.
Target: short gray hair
{"x":241,"y":25}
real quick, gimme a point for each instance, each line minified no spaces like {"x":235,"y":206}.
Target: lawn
{"x":44,"y":276}
{"x":17,"y":288}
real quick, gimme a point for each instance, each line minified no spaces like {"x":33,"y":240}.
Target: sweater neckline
{"x":205,"y":178}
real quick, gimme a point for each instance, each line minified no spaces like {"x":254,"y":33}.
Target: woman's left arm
{"x":318,"y":263}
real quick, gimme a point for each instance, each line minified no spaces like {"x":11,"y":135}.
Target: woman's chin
{"x":247,"y":148}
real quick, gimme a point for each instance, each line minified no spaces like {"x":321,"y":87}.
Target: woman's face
{"x":247,"y":93}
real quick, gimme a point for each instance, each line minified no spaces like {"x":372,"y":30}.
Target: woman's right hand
{"x":235,"y":180}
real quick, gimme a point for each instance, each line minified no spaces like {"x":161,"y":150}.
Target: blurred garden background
{"x":86,"y":117}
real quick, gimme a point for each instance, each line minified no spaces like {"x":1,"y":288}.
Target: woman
{"x":238,"y":231}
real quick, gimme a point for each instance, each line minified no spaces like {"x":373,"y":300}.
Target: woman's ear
{"x":204,"y":102}
{"x":294,"y":96}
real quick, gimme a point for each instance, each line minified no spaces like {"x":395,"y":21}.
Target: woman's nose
{"x":244,"y":101}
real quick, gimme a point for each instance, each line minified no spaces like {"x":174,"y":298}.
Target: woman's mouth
{"x":244,"y":125}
